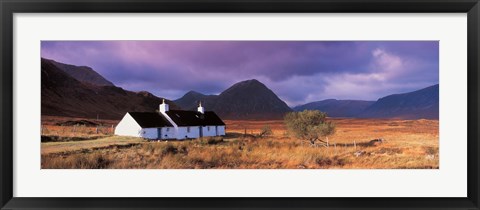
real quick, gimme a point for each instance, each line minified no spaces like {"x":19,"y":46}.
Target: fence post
{"x":355,"y":144}
{"x":327,"y":142}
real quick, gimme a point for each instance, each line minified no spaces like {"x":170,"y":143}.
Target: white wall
{"x":128,"y":127}
{"x":209,"y":130}
{"x":149,"y":133}
{"x":168,"y":133}
{"x":221,"y":130}
{"x":182,"y":132}
{"x":152,"y":133}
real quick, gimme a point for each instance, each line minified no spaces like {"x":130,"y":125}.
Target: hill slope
{"x":190,"y":101}
{"x":418,"y":104}
{"x":83,"y":74}
{"x":63,"y":95}
{"x":337,"y":108}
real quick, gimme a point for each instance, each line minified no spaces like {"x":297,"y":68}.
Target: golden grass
{"x":52,"y":120}
{"x":67,"y":133}
{"x":76,"y":146}
{"x":411,"y":144}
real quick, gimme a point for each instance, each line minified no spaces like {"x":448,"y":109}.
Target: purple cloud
{"x":298,"y":71}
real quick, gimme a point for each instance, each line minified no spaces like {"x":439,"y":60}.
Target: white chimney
{"x":200,"y":108}
{"x":163,"y":106}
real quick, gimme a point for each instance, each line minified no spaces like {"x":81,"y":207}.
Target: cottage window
{"x":168,"y":129}
{"x":188,"y":129}
{"x":208,"y":128}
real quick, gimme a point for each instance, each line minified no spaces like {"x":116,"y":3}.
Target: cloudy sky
{"x":297,"y":71}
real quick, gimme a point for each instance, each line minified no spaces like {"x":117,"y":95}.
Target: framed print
{"x":239,"y":105}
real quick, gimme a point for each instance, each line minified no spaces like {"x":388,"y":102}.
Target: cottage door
{"x":200,"y":131}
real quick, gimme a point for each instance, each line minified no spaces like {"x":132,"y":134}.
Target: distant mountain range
{"x":79,"y":91}
{"x":337,"y":108}
{"x":420,"y":104}
{"x":68,"y":94}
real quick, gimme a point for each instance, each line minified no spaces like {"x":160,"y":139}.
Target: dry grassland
{"x":409,"y":144}
{"x":51,"y":132}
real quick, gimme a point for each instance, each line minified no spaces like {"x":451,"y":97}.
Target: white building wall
{"x":209,"y":130}
{"x":183,"y":131}
{"x":128,"y":127}
{"x":221,"y":130}
{"x":168,"y":133}
{"x":150,"y":133}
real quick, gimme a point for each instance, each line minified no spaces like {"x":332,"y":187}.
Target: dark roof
{"x":194,"y":118}
{"x":150,"y":119}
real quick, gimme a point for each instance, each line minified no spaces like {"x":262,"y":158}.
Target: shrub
{"x":183,"y":150}
{"x":431,"y":150}
{"x":266,"y":131}
{"x":310,"y":125}
{"x":214,"y":140}
{"x":327,"y":161}
{"x":169,"y":149}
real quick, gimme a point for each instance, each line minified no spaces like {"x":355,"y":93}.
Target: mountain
{"x":83,"y":74}
{"x":248,"y":99}
{"x":64,"y":95}
{"x":190,"y":101}
{"x":420,"y":104}
{"x":337,"y":108}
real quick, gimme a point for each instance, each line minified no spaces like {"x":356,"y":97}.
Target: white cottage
{"x":171,"y":124}
{"x":150,"y":125}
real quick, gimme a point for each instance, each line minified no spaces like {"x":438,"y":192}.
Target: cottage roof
{"x":150,"y":119}
{"x":194,"y":118}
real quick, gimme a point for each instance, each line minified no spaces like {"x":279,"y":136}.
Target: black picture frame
{"x":10,"y":7}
